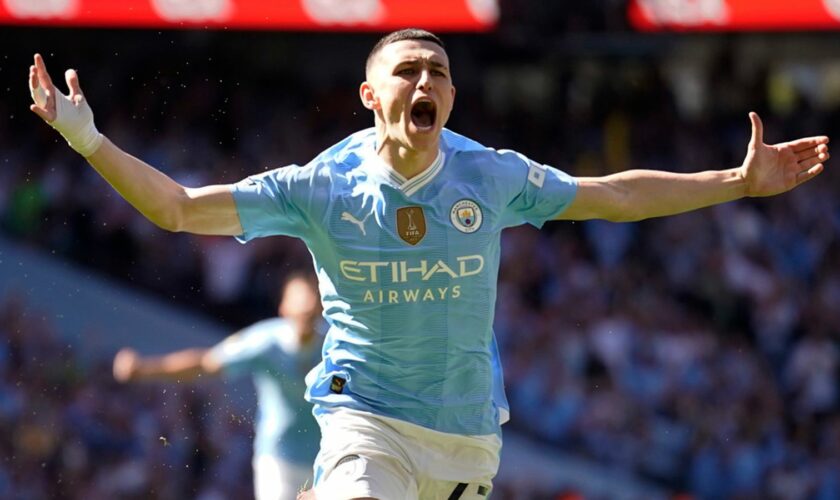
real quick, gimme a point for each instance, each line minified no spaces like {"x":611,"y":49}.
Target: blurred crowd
{"x":699,"y":351}
{"x":68,"y":430}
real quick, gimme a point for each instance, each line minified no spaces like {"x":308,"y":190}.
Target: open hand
{"x":69,"y":114}
{"x":44,"y":92}
{"x":774,"y":169}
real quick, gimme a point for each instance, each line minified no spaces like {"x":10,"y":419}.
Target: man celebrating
{"x":403,"y":221}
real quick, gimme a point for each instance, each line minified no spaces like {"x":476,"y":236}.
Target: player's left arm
{"x":640,"y":194}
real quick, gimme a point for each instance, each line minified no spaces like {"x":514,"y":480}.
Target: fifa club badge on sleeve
{"x":411,"y":224}
{"x":466,"y":216}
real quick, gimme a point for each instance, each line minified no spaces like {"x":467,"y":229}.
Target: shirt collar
{"x":398,"y":181}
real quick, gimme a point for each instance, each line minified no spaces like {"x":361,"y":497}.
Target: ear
{"x":368,"y":96}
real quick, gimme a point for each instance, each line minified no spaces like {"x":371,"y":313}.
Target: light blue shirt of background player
{"x":271,"y":353}
{"x":407,"y":271}
{"x":277,"y":353}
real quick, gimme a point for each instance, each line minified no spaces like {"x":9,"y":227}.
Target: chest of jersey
{"x":439,"y":219}
{"x":431,"y":246}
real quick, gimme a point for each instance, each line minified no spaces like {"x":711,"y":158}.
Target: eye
{"x":437,"y":72}
{"x":406,"y":71}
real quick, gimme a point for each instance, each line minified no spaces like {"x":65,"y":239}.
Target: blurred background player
{"x":277,"y":353}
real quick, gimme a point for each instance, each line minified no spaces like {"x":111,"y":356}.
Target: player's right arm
{"x":166,"y":203}
{"x":187,"y":364}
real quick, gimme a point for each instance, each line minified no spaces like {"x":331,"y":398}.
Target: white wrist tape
{"x":74,"y":121}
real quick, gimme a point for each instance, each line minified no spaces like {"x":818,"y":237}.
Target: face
{"x":300,"y":300}
{"x":409,"y":88}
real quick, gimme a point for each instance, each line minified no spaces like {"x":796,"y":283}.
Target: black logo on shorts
{"x":337,"y":384}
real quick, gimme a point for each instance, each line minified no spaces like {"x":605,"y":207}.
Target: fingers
{"x":40,"y":112}
{"x":42,"y":74}
{"x":818,"y":151}
{"x":72,"y":79}
{"x":805,"y":143}
{"x":33,"y":79}
{"x":809,"y":174}
{"x":757,"y":130}
{"x":809,"y":163}
{"x":804,"y":148}
{"x":41,"y":90}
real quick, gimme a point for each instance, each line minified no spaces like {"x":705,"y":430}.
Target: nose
{"x":425,"y":81}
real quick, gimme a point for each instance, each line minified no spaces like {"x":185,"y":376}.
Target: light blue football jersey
{"x":268,"y":352}
{"x":407,"y":271}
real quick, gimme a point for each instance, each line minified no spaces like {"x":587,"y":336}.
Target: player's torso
{"x":414,"y":272}
{"x":398,"y":254}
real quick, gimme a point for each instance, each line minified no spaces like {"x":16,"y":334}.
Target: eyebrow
{"x":433,"y":64}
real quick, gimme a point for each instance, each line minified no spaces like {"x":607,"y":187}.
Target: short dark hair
{"x":399,"y":36}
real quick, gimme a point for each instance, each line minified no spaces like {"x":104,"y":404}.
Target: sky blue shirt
{"x":268,"y":351}
{"x":407,"y":271}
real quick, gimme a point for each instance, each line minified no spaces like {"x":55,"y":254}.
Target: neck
{"x":409,"y":162}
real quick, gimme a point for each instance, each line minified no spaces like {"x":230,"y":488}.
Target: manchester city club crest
{"x":466,"y":216}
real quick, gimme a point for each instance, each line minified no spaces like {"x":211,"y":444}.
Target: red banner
{"x":734,"y":15}
{"x":352,"y":15}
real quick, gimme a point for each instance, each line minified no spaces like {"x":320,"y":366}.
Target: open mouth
{"x":423,"y":114}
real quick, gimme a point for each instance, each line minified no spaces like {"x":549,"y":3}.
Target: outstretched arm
{"x":206,"y":210}
{"x":640,"y":194}
{"x":188,"y":364}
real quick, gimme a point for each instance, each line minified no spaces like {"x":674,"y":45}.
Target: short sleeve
{"x":244,"y":352}
{"x":539,"y":192}
{"x":276,"y":202}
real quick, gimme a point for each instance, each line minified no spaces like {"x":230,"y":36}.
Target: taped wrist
{"x":74,"y":121}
